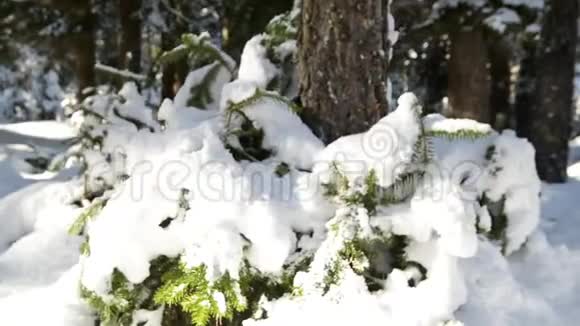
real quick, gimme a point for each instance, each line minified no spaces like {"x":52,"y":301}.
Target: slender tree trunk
{"x":469,"y":80}
{"x":435,"y":76}
{"x":174,"y":73}
{"x":130,"y":40}
{"x":526,"y":87}
{"x":108,"y":47}
{"x":342,"y":61}
{"x":500,"y":109}
{"x":84,"y":49}
{"x":550,"y":118}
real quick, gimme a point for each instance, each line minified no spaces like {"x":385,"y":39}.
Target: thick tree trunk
{"x":130,"y":40}
{"x":499,"y":59}
{"x":550,"y":118}
{"x":342,"y":61}
{"x":469,"y":80}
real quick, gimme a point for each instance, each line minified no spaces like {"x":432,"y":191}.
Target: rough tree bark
{"x":342,"y":61}
{"x":469,"y":80}
{"x":130,"y":39}
{"x":550,"y":117}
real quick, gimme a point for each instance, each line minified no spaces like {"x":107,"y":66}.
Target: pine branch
{"x":402,"y":189}
{"x":201,"y":93}
{"x":261,"y":95}
{"x":77,"y":228}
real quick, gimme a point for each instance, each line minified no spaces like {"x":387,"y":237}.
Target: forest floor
{"x":38,"y":259}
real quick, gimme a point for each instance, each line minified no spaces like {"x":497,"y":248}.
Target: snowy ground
{"x":39,"y":272}
{"x":36,"y":253}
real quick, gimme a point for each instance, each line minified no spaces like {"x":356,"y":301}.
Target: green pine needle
{"x":77,"y":228}
{"x":190,"y":289}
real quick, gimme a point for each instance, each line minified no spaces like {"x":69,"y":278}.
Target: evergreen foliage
{"x":353,"y":245}
{"x":77,"y":228}
{"x":203,"y":300}
{"x":117,"y":308}
{"x":364,"y":252}
{"x":199,"y":52}
{"x":249,"y":137}
{"x":181,"y":289}
{"x":279,"y":41}
{"x":200,"y":93}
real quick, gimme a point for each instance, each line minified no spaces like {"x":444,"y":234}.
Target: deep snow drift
{"x":536,"y":285}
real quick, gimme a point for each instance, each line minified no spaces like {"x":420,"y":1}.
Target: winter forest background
{"x":313,"y":162}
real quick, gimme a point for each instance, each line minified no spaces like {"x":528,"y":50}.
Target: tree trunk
{"x":342,"y":61}
{"x":84,"y":49}
{"x":499,"y":59}
{"x":435,"y":76}
{"x":550,"y":117}
{"x":526,"y":87}
{"x":130,"y":34}
{"x":469,"y":81}
{"x":174,"y":73}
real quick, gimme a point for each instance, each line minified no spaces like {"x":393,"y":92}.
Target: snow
{"x":284,"y":131}
{"x":55,"y":303}
{"x":262,"y":222}
{"x":122,"y":73}
{"x":437,"y":122}
{"x":456,"y":3}
{"x":48,"y":129}
{"x":195,"y":78}
{"x":151,"y":318}
{"x":518,"y":182}
{"x":133,"y":105}
{"x":527,"y":3}
{"x":190,"y":155}
{"x":502,"y":18}
{"x":30,"y":88}
{"x":385,"y":147}
{"x":255,"y":66}
{"x":468,"y":281}
{"x":38,"y":257}
{"x":176,"y":117}
{"x":179,"y":191}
